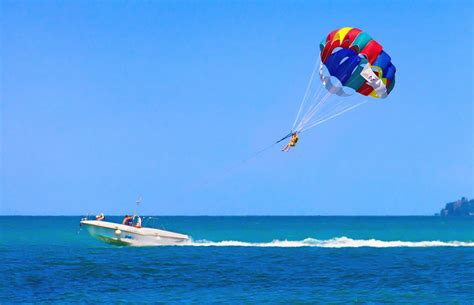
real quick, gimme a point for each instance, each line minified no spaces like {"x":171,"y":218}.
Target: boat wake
{"x":338,"y":242}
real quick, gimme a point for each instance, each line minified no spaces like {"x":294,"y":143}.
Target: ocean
{"x":243,"y":260}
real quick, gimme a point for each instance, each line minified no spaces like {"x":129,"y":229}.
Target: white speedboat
{"x":124,"y":235}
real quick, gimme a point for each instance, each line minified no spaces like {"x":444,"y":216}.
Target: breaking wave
{"x":338,"y":242}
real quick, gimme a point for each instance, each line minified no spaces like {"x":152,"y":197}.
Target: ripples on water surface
{"x":245,"y":260}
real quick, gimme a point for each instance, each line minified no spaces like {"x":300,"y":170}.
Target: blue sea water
{"x":244,"y":260}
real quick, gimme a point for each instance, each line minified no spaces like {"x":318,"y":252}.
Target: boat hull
{"x":122,"y":235}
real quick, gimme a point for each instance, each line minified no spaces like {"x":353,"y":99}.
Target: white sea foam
{"x":338,"y":242}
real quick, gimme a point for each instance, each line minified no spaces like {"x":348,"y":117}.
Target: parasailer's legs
{"x":292,"y":143}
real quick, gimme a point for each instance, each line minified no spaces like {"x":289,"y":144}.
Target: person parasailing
{"x":293,"y":140}
{"x":352,"y":67}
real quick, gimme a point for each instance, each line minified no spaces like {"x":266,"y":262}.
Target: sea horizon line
{"x":225,"y":215}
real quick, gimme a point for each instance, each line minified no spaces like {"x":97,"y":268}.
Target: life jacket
{"x":294,"y":140}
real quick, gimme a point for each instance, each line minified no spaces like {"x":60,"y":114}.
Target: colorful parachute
{"x":351,"y":61}
{"x":358,"y":62}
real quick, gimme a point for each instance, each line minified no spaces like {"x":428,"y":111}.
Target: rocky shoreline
{"x":462,"y":207}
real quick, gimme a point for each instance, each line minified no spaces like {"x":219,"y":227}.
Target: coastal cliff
{"x":462,"y":207}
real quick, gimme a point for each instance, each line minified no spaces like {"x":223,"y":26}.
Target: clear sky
{"x":103,"y":101}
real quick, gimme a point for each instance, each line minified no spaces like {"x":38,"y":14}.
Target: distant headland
{"x":462,"y":207}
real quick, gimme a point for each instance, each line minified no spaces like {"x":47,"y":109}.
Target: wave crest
{"x":338,"y":242}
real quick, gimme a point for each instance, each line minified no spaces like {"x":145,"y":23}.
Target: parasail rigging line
{"x":240,"y":163}
{"x":312,"y":112}
{"x":307,"y":92}
{"x":322,"y":120}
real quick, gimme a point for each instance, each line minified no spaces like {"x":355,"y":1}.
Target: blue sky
{"x":107,"y":100}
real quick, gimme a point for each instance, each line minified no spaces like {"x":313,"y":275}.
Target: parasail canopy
{"x":358,"y":62}
{"x":352,"y":66}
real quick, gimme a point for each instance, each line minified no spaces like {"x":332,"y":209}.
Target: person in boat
{"x":293,"y":140}
{"x":100,"y":217}
{"x":128,"y":220}
{"x":138,"y":224}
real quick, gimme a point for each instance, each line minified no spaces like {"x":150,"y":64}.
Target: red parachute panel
{"x":371,"y":51}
